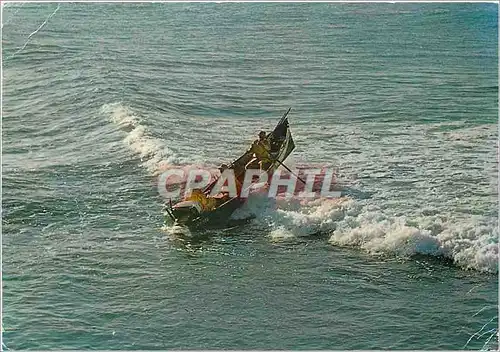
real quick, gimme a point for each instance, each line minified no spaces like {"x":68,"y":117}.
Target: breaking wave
{"x":470,"y":244}
{"x":154,"y":154}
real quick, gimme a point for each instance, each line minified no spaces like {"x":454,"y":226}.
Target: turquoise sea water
{"x":402,"y":99}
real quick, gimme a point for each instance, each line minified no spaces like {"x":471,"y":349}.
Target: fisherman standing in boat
{"x":260,"y":149}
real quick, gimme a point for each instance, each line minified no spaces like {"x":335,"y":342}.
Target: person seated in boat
{"x":222,"y":197}
{"x":206,"y":203}
{"x":260,"y":149}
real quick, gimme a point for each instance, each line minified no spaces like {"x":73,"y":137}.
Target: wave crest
{"x":154,"y":154}
{"x":471,"y":243}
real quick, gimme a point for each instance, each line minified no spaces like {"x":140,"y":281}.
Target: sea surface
{"x":401,"y":99}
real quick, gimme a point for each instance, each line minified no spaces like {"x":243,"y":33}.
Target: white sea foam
{"x":288,"y":218}
{"x":471,"y":243}
{"x":154,"y":154}
{"x":176,"y":230}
